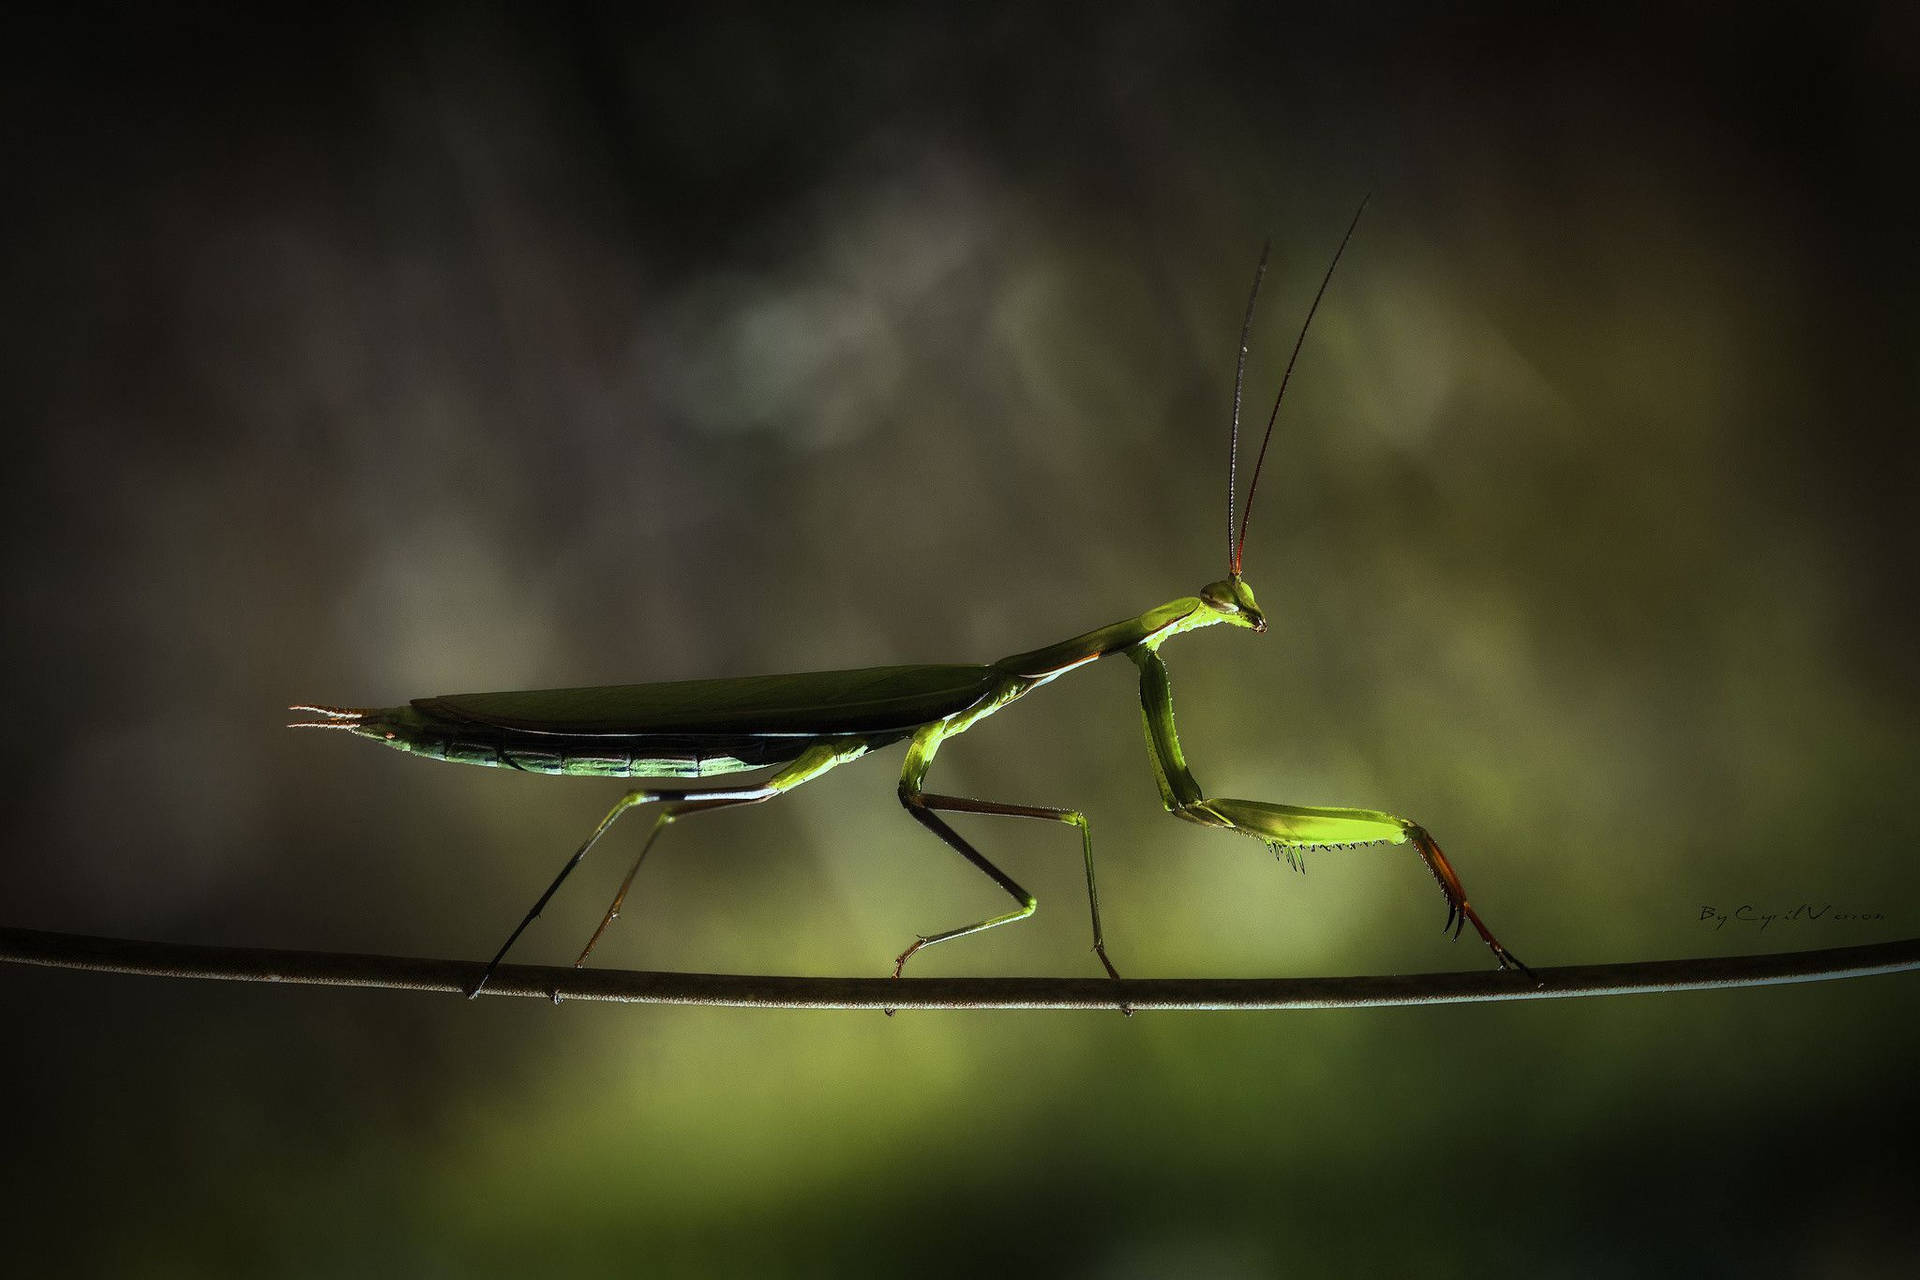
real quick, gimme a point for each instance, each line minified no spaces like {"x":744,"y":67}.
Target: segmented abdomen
{"x":594,"y":758}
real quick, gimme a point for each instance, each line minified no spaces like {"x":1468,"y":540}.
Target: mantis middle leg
{"x":1290,"y":827}
{"x":921,"y":805}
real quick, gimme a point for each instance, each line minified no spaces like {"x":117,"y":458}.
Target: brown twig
{"x":314,"y":968}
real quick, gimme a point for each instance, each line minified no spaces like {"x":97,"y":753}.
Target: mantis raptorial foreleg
{"x":1290,"y":828}
{"x":921,"y":805}
{"x":810,"y":764}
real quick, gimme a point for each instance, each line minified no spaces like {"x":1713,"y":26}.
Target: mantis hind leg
{"x":668,"y":815}
{"x":922,"y":804}
{"x":809,"y":764}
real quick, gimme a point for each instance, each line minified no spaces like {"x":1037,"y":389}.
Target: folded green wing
{"x":810,"y":704}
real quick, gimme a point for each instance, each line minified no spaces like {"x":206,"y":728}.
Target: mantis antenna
{"x":1237,"y":546}
{"x":1239,"y":381}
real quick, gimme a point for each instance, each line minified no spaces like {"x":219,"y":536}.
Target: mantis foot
{"x":1460,"y":912}
{"x":1100,"y":950}
{"x":901,"y":963}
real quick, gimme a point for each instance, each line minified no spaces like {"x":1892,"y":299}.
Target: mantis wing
{"x":810,"y":704}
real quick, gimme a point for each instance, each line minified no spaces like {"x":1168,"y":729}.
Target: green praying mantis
{"x":801,"y":726}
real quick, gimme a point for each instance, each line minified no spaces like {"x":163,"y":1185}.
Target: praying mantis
{"x":801,"y":726}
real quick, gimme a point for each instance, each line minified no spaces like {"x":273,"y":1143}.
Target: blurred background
{"x":473,"y":349}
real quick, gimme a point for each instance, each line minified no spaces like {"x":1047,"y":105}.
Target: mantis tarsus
{"x":800,"y":726}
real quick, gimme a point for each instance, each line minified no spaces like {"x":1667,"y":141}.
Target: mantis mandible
{"x":801,"y":726}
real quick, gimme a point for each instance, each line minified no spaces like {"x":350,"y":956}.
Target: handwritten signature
{"x":1803,"y":913}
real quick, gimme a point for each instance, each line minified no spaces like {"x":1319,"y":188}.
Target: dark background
{"x":467,"y":349}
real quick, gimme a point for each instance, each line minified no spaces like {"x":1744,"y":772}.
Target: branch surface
{"x":335,"y":969}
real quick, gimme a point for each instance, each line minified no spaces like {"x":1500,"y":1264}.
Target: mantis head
{"x":1232,"y":599}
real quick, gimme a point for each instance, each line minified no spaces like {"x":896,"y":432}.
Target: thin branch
{"x":314,"y":968}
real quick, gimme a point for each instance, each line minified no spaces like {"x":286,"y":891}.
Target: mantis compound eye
{"x":1220,"y":596}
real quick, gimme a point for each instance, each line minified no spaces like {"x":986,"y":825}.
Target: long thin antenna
{"x":1239,"y":381}
{"x":1240,"y":544}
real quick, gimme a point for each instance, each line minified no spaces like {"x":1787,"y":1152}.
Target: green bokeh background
{"x":362,"y":361}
